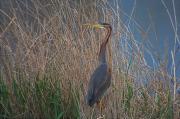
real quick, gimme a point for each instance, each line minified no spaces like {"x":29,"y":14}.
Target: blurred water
{"x":152,"y":19}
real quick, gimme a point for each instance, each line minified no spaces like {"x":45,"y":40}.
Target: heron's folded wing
{"x":102,"y":80}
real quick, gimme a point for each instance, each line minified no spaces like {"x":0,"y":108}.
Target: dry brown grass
{"x":54,"y":44}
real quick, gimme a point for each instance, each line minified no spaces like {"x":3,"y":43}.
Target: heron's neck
{"x":102,"y":53}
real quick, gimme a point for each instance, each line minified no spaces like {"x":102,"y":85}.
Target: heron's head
{"x":99,"y":25}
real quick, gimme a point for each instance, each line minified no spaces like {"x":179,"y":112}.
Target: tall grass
{"x":47,"y":57}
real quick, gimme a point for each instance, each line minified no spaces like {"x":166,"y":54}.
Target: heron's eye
{"x":105,"y":24}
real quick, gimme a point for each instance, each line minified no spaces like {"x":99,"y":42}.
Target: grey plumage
{"x":98,"y":84}
{"x":101,"y":78}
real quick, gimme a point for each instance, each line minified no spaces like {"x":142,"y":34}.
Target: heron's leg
{"x":100,"y":106}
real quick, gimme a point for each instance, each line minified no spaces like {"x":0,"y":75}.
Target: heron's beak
{"x":94,"y":25}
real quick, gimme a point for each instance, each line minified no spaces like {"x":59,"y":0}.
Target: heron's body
{"x":99,"y":83}
{"x":101,"y":78}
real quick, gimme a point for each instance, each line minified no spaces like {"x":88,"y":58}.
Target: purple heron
{"x":101,"y":78}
